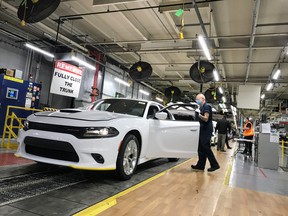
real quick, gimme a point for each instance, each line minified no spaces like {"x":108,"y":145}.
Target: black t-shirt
{"x":206,"y":127}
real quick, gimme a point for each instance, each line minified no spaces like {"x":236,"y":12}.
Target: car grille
{"x":75,"y":131}
{"x":50,"y":149}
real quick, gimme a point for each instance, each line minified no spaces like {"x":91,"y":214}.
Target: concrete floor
{"x":246,"y":174}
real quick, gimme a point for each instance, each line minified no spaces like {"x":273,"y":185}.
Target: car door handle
{"x":193,"y":129}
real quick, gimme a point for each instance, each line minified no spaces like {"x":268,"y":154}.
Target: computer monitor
{"x":12,"y":93}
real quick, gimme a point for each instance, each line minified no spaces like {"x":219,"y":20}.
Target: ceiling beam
{"x":252,"y":39}
{"x":185,"y":49}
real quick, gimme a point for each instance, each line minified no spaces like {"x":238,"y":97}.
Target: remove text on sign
{"x":66,"y":79}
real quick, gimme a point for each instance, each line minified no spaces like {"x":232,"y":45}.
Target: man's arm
{"x":204,"y":117}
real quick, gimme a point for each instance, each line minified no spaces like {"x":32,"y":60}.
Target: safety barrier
{"x":49,"y":109}
{"x":10,"y":127}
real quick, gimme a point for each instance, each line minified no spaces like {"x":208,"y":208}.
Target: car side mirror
{"x":161,"y":115}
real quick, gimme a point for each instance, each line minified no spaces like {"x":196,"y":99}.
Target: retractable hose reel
{"x":32,"y":11}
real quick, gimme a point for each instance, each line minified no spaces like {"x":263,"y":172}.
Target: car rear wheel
{"x":128,"y":157}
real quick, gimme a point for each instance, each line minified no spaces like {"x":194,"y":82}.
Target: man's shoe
{"x":211,"y":169}
{"x":195,"y":167}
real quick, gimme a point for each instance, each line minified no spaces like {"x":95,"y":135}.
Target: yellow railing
{"x":10,"y":128}
{"x":283,"y":147}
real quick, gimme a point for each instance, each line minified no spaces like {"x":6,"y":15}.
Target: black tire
{"x":127,"y":159}
{"x":173,"y":159}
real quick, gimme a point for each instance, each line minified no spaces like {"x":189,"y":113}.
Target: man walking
{"x":222,"y":127}
{"x":204,"y":116}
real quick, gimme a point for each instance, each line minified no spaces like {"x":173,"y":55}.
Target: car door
{"x":173,"y":138}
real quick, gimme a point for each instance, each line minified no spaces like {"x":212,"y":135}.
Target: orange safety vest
{"x":248,"y":132}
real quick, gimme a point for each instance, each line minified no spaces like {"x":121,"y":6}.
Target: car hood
{"x":87,"y":115}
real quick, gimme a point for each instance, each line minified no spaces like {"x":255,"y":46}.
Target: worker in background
{"x":223,"y":126}
{"x":248,"y":133}
{"x":204,"y":116}
{"x":229,"y":136}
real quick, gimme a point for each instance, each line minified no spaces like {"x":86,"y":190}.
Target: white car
{"x":115,"y":134}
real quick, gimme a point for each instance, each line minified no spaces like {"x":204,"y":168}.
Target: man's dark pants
{"x":204,"y":150}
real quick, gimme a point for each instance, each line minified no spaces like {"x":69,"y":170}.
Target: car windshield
{"x":123,"y":106}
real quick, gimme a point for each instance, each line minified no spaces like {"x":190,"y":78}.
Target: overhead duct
{"x":112,"y":2}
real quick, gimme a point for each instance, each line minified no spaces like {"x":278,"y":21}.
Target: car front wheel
{"x":128,"y":157}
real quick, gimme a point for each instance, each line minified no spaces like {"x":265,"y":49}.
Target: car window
{"x":151,"y":111}
{"x":182,"y":112}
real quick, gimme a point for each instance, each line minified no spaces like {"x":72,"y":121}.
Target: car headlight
{"x":26,"y":125}
{"x":97,"y":132}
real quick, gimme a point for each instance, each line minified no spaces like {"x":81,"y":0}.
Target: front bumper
{"x":67,"y":150}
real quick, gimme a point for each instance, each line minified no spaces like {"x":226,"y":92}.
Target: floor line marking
{"x":229,"y":170}
{"x":262,"y":172}
{"x":111,"y":201}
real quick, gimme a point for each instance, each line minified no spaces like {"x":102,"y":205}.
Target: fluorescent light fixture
{"x":224,"y":106}
{"x":83,"y":63}
{"x":262,"y":96}
{"x":224,"y":100}
{"x":216,"y":75}
{"x":121,"y":81}
{"x":39,"y":50}
{"x":220,"y":90}
{"x":204,"y":47}
{"x":269,"y":86}
{"x":276,"y":75}
{"x":221,"y":105}
{"x":159,"y":99}
{"x":144,"y":92}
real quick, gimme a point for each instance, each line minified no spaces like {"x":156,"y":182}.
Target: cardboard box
{"x":7,"y":72}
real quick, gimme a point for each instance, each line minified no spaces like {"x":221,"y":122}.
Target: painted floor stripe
{"x":262,"y":172}
{"x":229,"y":170}
{"x":228,"y":173}
{"x":111,"y":201}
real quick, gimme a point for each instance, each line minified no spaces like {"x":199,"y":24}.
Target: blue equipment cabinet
{"x":17,"y":92}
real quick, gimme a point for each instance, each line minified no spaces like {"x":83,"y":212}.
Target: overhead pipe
{"x":187,"y":39}
{"x":201,"y":21}
{"x":134,"y":9}
{"x":185,"y":49}
{"x":251,"y":44}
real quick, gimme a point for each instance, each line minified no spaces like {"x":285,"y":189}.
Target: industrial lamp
{"x":74,"y":58}
{"x":269,"y":86}
{"x":216,"y":75}
{"x":204,"y":47}
{"x":276,"y":74}
{"x":30,"y":46}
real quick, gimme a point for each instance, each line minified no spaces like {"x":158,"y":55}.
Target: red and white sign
{"x":66,"y":79}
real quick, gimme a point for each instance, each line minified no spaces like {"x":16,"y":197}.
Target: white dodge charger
{"x":114,"y":134}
